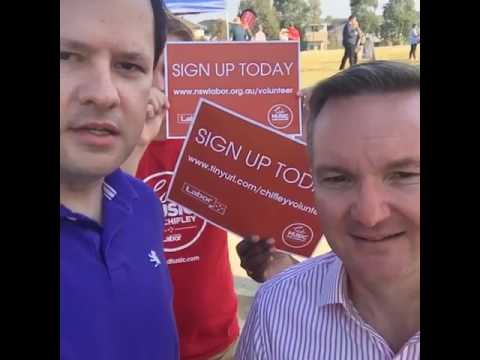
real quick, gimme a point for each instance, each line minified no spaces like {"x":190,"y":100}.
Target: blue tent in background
{"x":195,"y":6}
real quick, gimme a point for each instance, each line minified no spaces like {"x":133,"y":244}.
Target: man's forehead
{"x":105,"y":7}
{"x":117,"y":23}
{"x":383,"y":128}
{"x":379,"y":155}
{"x":375,"y":97}
{"x":362,"y":111}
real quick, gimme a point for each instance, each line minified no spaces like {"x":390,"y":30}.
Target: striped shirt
{"x":303,"y":313}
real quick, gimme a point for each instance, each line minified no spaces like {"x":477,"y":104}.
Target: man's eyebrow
{"x":322,"y":169}
{"x":403,"y":163}
{"x":133,"y":56}
{"x":76,"y":45}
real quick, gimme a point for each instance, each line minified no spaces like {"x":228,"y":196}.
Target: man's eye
{"x":405,"y":177}
{"x":336,"y":180}
{"x":68,"y":56}
{"x":129,"y":67}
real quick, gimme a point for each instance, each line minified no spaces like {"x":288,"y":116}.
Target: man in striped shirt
{"x":361,"y":301}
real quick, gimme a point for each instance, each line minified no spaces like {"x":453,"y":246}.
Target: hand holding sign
{"x":260,"y":259}
{"x":156,"y":108}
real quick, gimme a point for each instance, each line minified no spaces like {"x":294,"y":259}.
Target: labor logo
{"x":297,"y":235}
{"x":280,"y":116}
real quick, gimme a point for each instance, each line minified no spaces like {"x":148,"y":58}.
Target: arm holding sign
{"x":260,"y":259}
{"x":156,"y":108}
{"x":304,"y":95}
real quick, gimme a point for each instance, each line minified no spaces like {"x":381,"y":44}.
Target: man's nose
{"x":371,"y":204}
{"x":98,"y":87}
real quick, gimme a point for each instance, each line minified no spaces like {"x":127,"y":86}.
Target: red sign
{"x":260,"y":80}
{"x":248,"y":179}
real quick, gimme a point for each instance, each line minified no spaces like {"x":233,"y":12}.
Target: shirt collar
{"x":116,"y":189}
{"x":333,"y":288}
{"x":119,"y":195}
{"x":415,"y":338}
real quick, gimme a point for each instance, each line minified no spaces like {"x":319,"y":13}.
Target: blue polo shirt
{"x":115,"y":288}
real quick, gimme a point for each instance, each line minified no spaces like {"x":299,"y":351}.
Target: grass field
{"x":318,"y":65}
{"x":315,"y":66}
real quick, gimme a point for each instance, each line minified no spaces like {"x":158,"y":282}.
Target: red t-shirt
{"x":293,"y":33}
{"x":205,"y":302}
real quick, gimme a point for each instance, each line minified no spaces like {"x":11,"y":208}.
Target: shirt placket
{"x":378,"y":340}
{"x":404,"y":353}
{"x":93,"y":229}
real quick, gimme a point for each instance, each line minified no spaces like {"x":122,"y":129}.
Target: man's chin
{"x":383,"y":269}
{"x":94,"y":168}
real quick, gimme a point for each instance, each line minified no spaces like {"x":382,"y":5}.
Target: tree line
{"x":392,"y":26}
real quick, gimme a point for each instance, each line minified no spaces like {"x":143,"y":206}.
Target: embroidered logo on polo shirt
{"x":152,"y":255}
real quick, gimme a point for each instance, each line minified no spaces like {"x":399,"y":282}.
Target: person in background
{"x":349,"y":41}
{"x":237,"y":31}
{"x":359,"y":44}
{"x":248,"y":32}
{"x":368,"y":49}
{"x":260,"y":35}
{"x":293,"y":33}
{"x":283,"y":34}
{"x":414,"y":40}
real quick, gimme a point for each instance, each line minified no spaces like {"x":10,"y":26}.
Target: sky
{"x":341,"y":8}
{"x":334,"y":8}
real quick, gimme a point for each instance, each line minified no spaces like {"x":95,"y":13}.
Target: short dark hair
{"x":378,"y":77}
{"x":178,"y":28}
{"x":351,"y":17}
{"x":159,"y":28}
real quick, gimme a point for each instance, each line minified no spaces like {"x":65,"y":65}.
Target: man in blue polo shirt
{"x":115,"y":289}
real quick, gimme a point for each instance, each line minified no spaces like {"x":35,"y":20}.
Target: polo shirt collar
{"x":117,"y":191}
{"x":117,"y":207}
